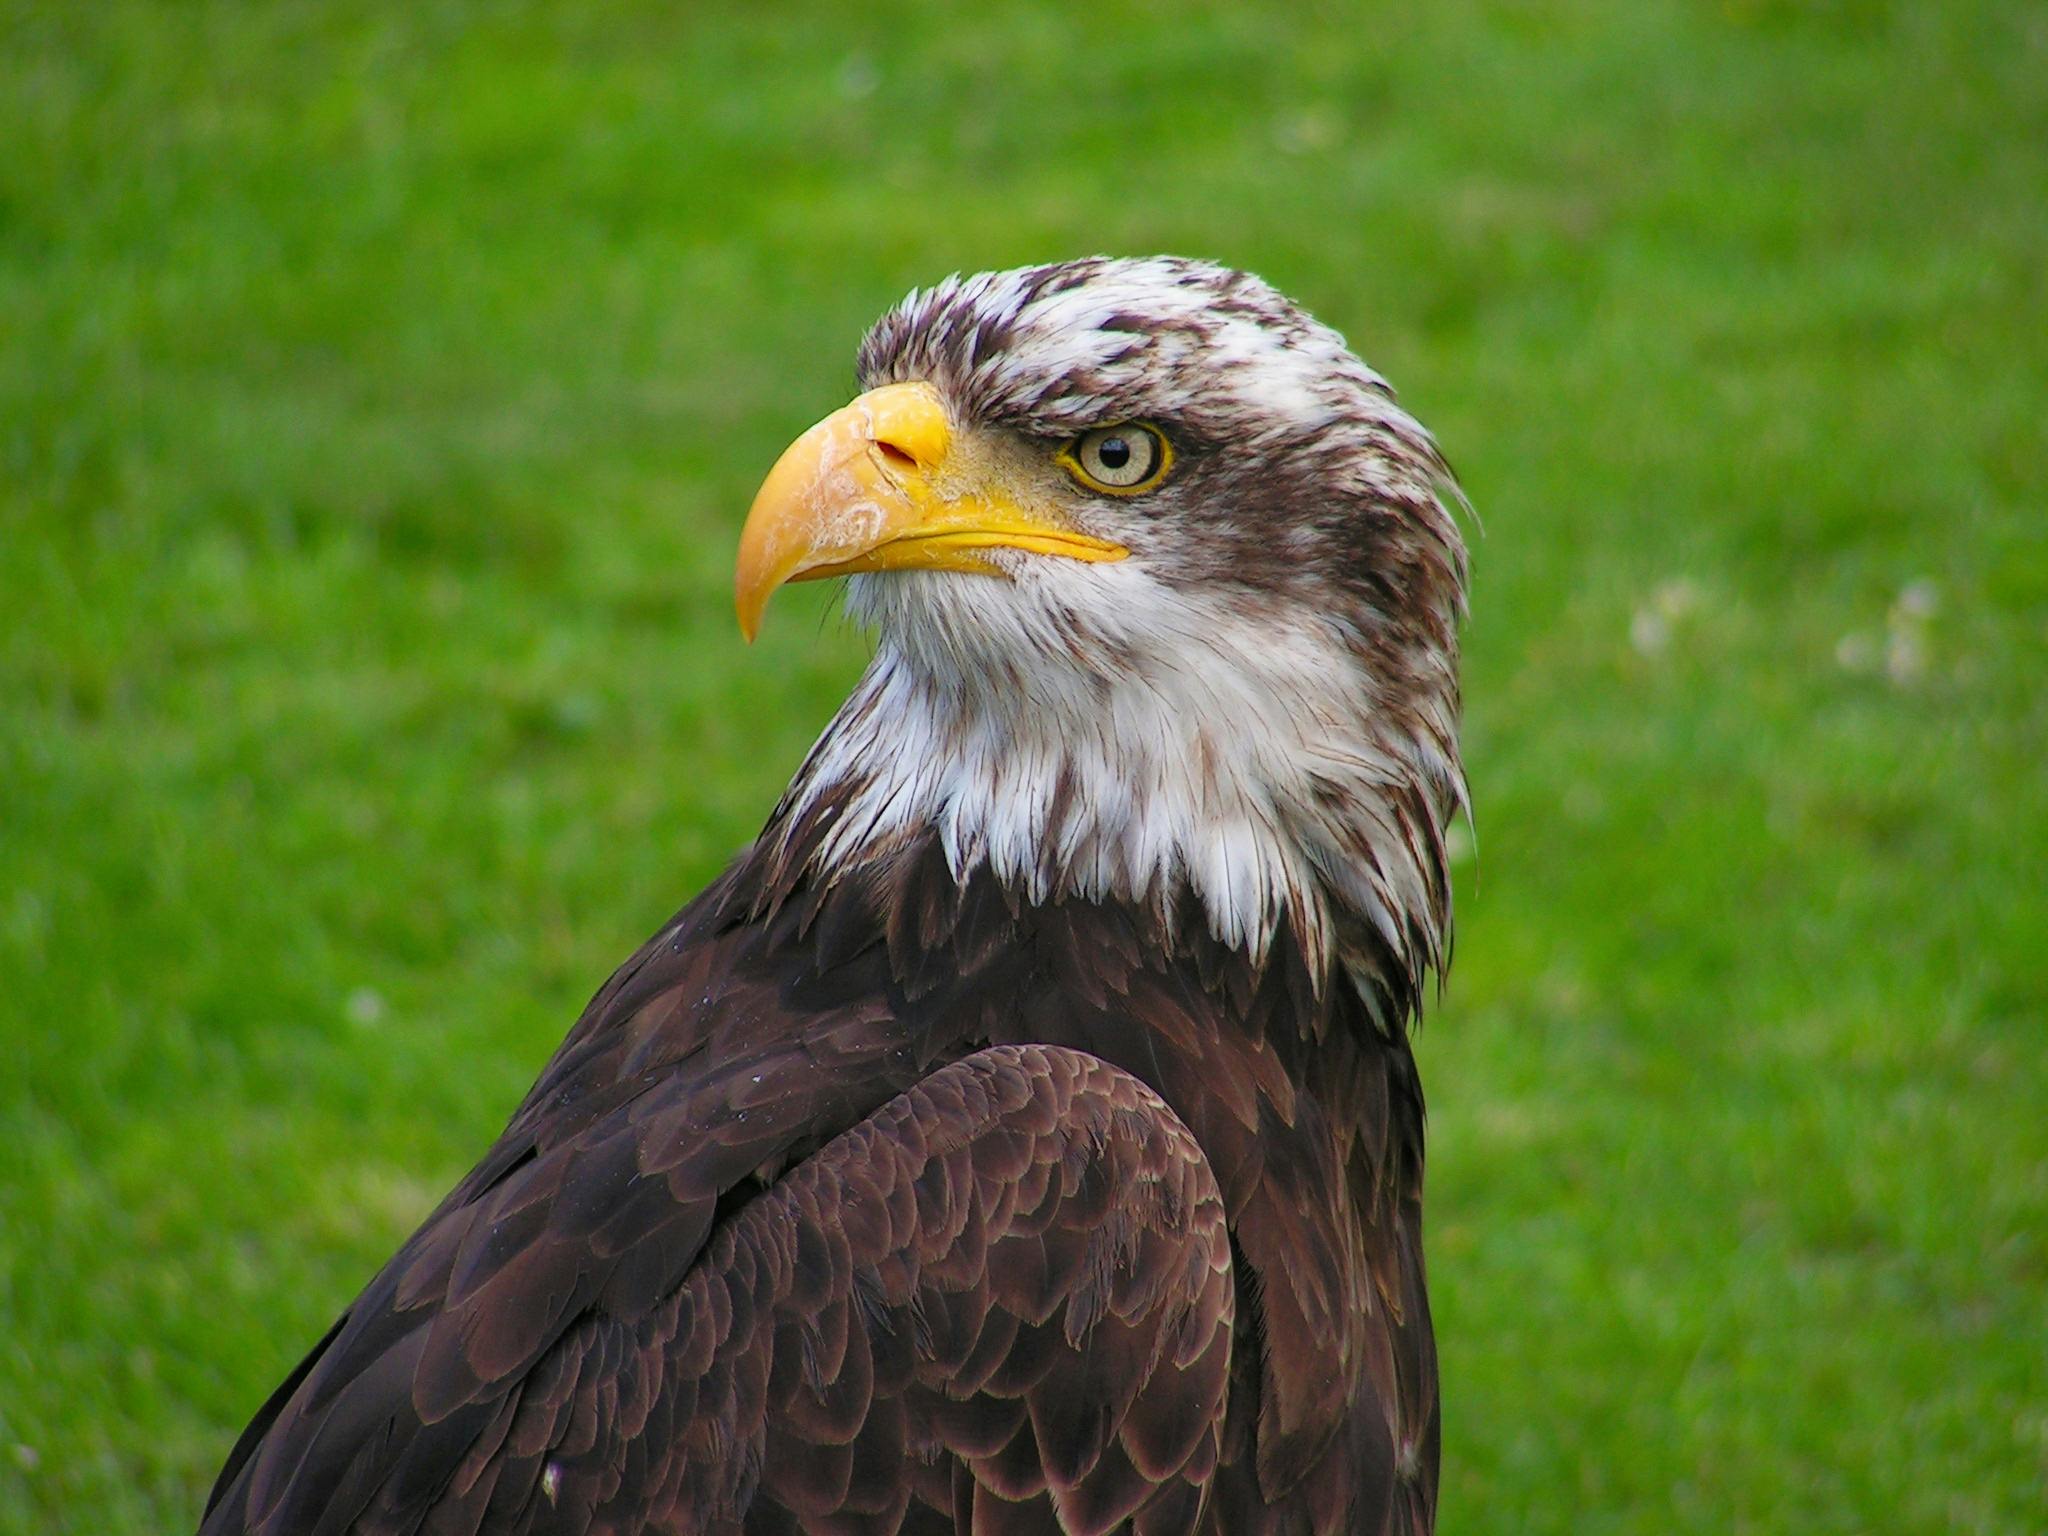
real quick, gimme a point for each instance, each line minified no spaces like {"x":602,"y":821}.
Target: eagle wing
{"x":1005,"y":1296}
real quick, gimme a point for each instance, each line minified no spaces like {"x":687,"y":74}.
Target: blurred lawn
{"x":380,"y":387}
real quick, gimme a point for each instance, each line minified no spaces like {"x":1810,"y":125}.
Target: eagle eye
{"x":1123,"y":460}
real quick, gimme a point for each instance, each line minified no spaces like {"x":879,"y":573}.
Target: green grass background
{"x":380,"y":390}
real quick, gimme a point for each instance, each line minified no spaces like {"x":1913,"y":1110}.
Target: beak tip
{"x":751,"y":589}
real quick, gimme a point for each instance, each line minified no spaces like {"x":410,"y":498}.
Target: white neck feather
{"x":1248,"y":762}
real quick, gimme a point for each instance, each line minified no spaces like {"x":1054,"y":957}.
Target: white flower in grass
{"x":1654,"y":623}
{"x":1907,"y":626}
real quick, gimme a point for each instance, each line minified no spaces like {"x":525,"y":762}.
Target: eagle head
{"x":1165,"y":587}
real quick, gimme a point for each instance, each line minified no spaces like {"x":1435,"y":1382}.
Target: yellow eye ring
{"x":1127,"y":459}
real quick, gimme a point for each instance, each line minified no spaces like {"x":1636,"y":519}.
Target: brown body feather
{"x":744,"y":1261}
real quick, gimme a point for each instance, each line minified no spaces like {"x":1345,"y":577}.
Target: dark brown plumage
{"x":879,"y":1193}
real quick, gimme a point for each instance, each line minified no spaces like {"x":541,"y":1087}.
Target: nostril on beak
{"x":893,"y":458}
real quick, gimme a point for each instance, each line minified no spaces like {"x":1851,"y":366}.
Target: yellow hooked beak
{"x":870,"y":488}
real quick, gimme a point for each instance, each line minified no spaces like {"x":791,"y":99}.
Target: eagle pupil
{"x":1114,"y":452}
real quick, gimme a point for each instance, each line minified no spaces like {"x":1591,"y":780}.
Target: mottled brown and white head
{"x":1166,"y":588}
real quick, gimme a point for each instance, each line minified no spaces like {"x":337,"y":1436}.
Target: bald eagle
{"x":1022,"y":1134}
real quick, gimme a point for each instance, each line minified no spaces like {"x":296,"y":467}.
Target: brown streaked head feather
{"x":1260,"y":703}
